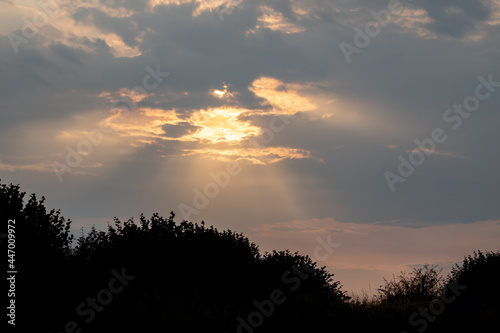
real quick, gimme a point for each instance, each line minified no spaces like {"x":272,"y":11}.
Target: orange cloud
{"x":210,"y":128}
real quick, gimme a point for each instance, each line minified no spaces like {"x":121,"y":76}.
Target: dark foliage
{"x":477,"y":308}
{"x":185,"y":277}
{"x":43,"y":250}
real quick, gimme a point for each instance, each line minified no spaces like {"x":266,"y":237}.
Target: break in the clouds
{"x":265,"y":84}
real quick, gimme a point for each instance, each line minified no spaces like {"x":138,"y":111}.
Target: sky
{"x":363,"y":133}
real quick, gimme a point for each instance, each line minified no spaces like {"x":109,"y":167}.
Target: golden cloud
{"x":223,"y":133}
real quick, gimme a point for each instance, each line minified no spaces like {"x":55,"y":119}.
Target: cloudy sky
{"x":372,"y":124}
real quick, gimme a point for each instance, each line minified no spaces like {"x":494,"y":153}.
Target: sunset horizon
{"x":363,"y":134}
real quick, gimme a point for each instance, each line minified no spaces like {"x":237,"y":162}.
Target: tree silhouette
{"x":477,"y":307}
{"x":43,"y":250}
{"x":186,"y":277}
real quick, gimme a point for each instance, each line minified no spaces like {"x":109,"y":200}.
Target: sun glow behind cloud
{"x":223,"y":133}
{"x":221,"y":125}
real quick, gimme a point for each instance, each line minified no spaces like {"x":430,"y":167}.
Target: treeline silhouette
{"x":159,"y":275}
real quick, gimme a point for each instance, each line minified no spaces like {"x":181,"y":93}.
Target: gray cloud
{"x":181,"y":129}
{"x":455,"y":18}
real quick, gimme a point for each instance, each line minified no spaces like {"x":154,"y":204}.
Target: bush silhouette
{"x":397,"y":299}
{"x":420,"y":286}
{"x":477,"y":307}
